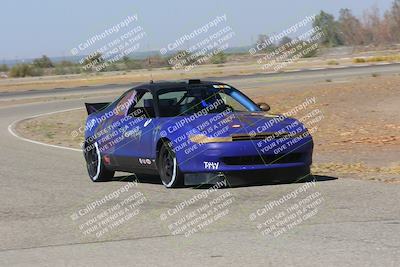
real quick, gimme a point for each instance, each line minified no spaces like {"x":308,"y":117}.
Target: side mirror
{"x":264,"y":106}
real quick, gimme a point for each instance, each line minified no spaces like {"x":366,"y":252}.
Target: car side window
{"x":168,"y":103}
{"x":143,"y":106}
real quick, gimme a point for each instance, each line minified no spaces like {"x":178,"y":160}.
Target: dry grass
{"x":391,"y":58}
{"x":333,"y":62}
{"x":70,"y":81}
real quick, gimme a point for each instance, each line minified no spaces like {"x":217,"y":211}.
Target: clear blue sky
{"x":32,"y":28}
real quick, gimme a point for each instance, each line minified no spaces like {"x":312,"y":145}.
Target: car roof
{"x":155,"y":86}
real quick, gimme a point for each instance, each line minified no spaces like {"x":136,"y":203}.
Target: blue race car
{"x":192,"y":132}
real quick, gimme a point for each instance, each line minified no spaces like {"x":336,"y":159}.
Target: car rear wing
{"x":95,"y":107}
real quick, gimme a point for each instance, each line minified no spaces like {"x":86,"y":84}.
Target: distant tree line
{"x":45,"y":66}
{"x":347,"y":29}
{"x":371,"y":29}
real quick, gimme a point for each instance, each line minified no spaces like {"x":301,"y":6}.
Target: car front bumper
{"x":242,"y":156}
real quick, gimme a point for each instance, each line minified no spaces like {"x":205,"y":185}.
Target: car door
{"x":136,"y":149}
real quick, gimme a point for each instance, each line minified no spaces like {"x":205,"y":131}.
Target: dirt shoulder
{"x":358,"y":133}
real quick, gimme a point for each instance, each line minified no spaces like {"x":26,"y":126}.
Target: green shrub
{"x":218,"y":58}
{"x":66,"y":63}
{"x":309,"y":51}
{"x":43,"y":62}
{"x":133,"y":64}
{"x":4,"y":68}
{"x":60,"y":70}
{"x":112,"y":67}
{"x":24,"y":70}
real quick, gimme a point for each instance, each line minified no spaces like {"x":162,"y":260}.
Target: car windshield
{"x":212,"y":99}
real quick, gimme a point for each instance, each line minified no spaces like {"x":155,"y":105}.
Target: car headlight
{"x":203,"y":139}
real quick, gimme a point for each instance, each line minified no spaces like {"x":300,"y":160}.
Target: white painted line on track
{"x":12,"y":132}
{"x":293,"y":71}
{"x":318,"y":68}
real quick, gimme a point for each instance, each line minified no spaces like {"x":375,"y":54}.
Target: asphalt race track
{"x":356,"y":223}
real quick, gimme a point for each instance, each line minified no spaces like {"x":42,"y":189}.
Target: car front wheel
{"x":168,"y":167}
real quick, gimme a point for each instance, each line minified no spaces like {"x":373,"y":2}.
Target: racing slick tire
{"x":97,"y":171}
{"x":168,"y":168}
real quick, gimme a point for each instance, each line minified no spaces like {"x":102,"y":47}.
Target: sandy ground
{"x":359,"y":132}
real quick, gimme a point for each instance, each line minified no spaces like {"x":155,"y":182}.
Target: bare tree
{"x":386,"y":29}
{"x":377,"y":30}
{"x":393,"y":17}
{"x":350,"y":28}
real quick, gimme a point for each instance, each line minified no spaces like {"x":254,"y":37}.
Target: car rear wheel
{"x":168,"y":167}
{"x":96,"y":169}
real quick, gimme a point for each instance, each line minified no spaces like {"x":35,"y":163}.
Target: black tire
{"x":96,"y":169}
{"x":168,"y":168}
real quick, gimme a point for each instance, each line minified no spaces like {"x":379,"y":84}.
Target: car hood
{"x":238,"y":123}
